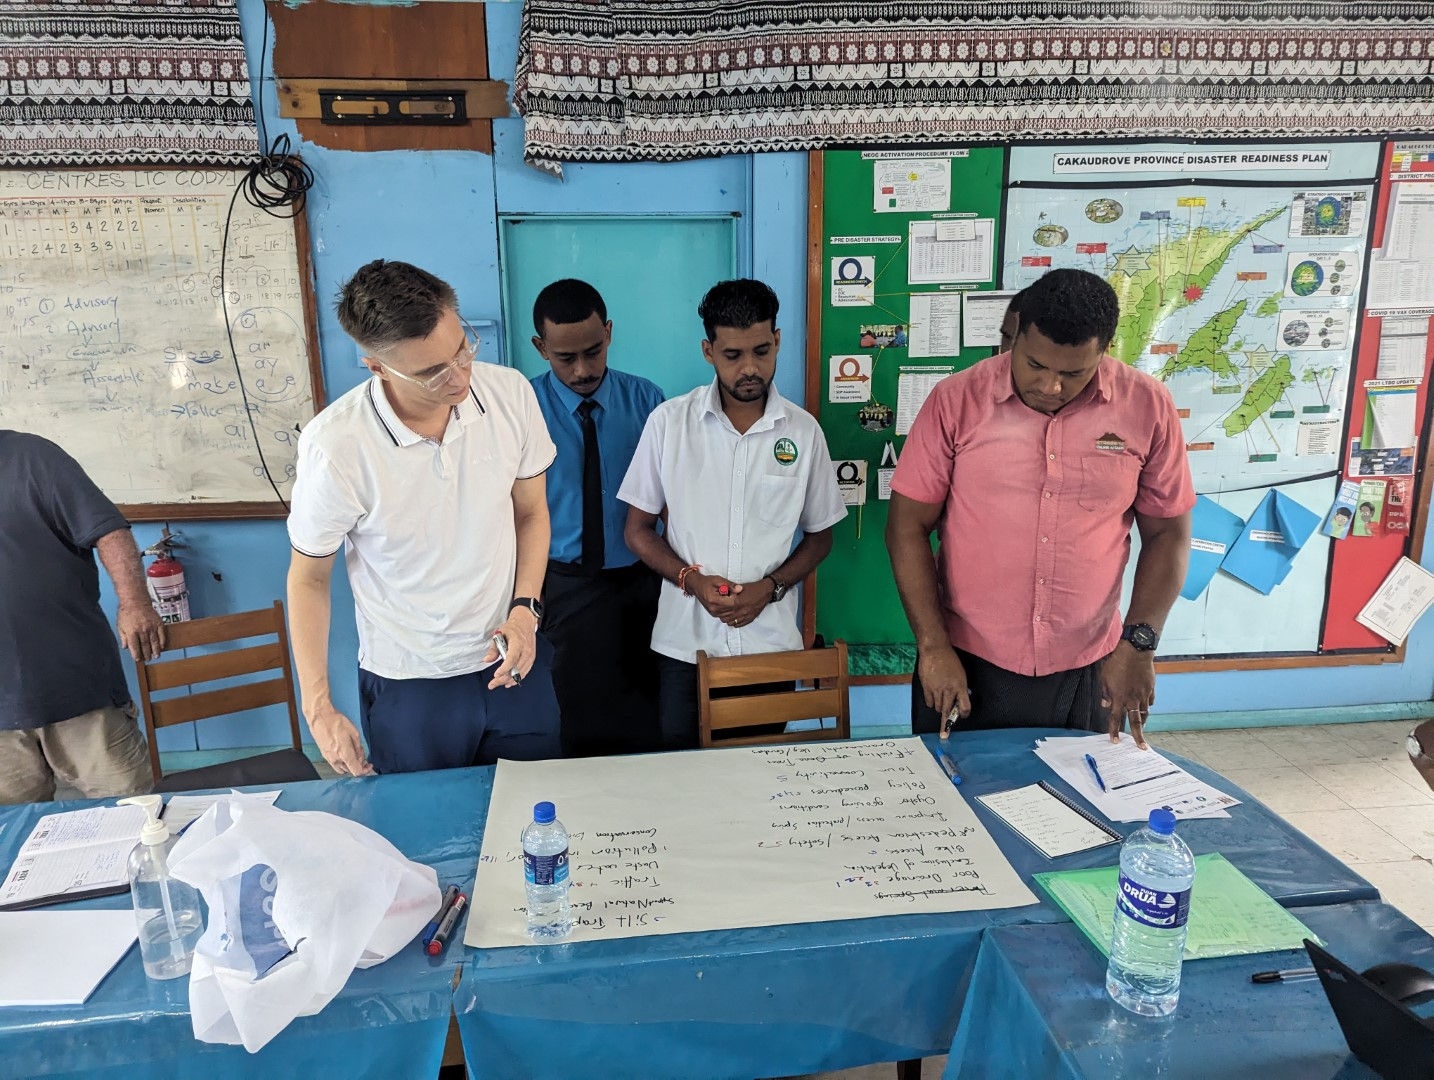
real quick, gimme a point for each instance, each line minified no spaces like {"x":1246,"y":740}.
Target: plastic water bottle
{"x":168,"y":911}
{"x":1151,"y":908}
{"x":545,"y":868}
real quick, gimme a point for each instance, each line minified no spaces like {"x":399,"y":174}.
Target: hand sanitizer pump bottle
{"x":168,"y":911}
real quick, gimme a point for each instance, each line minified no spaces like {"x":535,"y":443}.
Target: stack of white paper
{"x":1136,"y":781}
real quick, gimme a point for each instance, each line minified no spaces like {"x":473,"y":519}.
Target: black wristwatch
{"x":532,"y":603}
{"x":1142,"y":636}
{"x":779,"y":588}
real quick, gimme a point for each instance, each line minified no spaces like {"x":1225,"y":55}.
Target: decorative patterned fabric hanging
{"x":628,"y":80}
{"x":139,"y":82}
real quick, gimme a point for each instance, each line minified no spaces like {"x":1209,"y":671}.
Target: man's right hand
{"x":338,"y":740}
{"x":943,"y":682}
{"x":707,"y":588}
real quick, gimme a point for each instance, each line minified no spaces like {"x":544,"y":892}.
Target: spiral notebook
{"x":1051,"y":822}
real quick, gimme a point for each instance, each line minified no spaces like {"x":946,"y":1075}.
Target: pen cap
{"x":1162,"y":821}
{"x":544,"y":812}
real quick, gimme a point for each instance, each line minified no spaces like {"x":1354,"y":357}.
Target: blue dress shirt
{"x":624,"y":402}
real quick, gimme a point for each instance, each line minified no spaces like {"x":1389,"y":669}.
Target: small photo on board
{"x":883,"y":336}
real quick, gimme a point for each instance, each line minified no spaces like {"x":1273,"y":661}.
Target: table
{"x":1042,"y":1009}
{"x":811,"y":997}
{"x":389,"y":1021}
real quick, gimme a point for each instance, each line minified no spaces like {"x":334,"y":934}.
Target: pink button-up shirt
{"x":1035,"y":532}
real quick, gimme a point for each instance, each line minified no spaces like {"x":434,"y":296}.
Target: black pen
{"x":449,"y":895}
{"x":1280,"y":976}
{"x":439,"y":940}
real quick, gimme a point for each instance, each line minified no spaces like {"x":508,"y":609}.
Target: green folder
{"x":1229,"y":914}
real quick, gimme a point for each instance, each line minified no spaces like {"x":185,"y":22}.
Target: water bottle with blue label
{"x":1151,"y":908}
{"x":545,"y":871}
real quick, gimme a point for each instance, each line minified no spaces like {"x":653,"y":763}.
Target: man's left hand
{"x":748,"y":601}
{"x":521,"y":632}
{"x":140,"y":631}
{"x":1127,"y":690}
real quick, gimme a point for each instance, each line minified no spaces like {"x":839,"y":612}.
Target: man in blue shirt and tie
{"x":600,"y":601}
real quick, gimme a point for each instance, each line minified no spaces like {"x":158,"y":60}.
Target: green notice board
{"x":896,"y":228}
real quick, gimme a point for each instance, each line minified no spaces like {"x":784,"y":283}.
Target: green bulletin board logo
{"x":785,"y":451}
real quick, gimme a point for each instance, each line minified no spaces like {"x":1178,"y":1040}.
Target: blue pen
{"x":1090,"y":763}
{"x":948,"y":766}
{"x":449,"y":895}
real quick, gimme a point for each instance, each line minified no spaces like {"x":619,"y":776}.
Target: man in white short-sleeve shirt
{"x":430,"y":478}
{"x":740,"y":473}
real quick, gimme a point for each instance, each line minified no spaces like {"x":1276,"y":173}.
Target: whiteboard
{"x":115,"y":336}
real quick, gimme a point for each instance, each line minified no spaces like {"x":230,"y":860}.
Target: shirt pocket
{"x":777,"y":501}
{"x":1108,"y":481}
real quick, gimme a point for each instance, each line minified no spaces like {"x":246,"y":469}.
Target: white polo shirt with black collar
{"x":426,"y":527}
{"x":735,"y":505}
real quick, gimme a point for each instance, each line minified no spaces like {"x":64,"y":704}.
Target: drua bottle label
{"x":1153,"y":907}
{"x":546,"y":869}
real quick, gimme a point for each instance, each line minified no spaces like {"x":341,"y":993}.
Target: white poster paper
{"x":1314,"y":328}
{"x":1398,"y":603}
{"x":746,"y":836}
{"x":854,"y":281}
{"x":1397,"y":283}
{"x":935,"y":325}
{"x":1401,"y":356}
{"x":1325,"y":274}
{"x":1318,"y":437}
{"x":982,"y":315}
{"x":886,"y":471}
{"x":851,"y":480}
{"x":913,"y":387}
{"x":1329,"y":213}
{"x":911,"y":186}
{"x":1393,"y":414}
{"x":849,"y":379}
{"x":1409,"y":231}
{"x":932,"y":261}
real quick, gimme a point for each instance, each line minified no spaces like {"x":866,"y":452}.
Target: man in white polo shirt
{"x":739,"y":473}
{"x":430,"y":477}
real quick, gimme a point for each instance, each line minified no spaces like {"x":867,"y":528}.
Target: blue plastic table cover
{"x":1038,"y":1008}
{"x":804,"y":998}
{"x":389,"y":1021}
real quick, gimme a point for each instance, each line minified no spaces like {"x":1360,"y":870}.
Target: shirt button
{"x":1038,"y":618}
{"x":1045,"y":494}
{"x":1043,"y":539}
{"x":1040,"y":581}
{"x":1051,"y":456}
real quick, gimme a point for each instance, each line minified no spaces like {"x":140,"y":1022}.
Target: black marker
{"x":439,"y":941}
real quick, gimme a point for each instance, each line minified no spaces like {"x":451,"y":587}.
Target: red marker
{"x":439,"y":940}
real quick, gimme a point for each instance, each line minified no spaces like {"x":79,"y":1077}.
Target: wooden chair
{"x":732,"y":715}
{"x":191,"y":672}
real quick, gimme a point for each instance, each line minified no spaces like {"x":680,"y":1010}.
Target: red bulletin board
{"x":1359,"y":567}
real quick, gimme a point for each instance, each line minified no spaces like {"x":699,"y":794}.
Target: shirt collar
{"x":776,"y":407}
{"x":570,"y":400}
{"x":1100,"y":385}
{"x":463,"y":414}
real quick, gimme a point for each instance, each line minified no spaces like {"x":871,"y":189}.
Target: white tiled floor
{"x":1349,"y":787}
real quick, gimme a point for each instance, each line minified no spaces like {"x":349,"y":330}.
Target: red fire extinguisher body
{"x":167,"y":591}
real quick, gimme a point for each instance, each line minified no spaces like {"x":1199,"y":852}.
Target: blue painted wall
{"x":439,"y":210}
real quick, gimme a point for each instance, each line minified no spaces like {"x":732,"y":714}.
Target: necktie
{"x":592,"y":491}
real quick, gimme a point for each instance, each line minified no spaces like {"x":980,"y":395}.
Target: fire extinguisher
{"x":165,"y":578}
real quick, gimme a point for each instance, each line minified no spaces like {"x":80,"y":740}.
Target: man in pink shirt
{"x":1033,"y":465}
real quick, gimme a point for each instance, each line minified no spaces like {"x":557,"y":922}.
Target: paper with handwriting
{"x":739,"y":837}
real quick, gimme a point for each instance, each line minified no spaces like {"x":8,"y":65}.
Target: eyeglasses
{"x":461,"y":362}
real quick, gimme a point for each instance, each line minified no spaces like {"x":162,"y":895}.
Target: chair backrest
{"x":193,"y":672}
{"x":724,"y":712}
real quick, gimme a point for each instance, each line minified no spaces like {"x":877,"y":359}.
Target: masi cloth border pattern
{"x":124,"y":82}
{"x":625,"y":80}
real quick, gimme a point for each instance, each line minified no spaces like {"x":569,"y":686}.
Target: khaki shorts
{"x":100,"y":753}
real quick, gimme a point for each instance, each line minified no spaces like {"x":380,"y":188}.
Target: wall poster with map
{"x":1238,"y":270}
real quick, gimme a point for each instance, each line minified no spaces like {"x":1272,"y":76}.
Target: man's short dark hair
{"x":1367,"y":506}
{"x":739,"y":304}
{"x":1070,"y":307}
{"x":1014,"y":304}
{"x":1346,"y":511}
{"x":567,"y":301}
{"x":385,"y":303}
